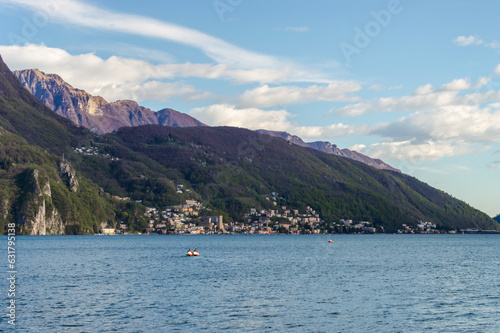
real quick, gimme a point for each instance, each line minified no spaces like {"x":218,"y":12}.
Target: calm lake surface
{"x":359,"y":283}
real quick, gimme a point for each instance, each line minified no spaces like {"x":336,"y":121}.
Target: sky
{"x":414,"y":83}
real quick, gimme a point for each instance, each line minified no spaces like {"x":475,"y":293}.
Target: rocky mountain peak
{"x":94,"y":112}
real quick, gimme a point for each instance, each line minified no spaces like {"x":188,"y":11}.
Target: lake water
{"x":358,"y":283}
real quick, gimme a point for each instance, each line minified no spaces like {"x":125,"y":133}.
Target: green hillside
{"x":35,"y":189}
{"x":235,"y":168}
{"x":31,"y":177}
{"x":229,"y":169}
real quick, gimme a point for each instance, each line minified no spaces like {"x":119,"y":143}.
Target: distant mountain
{"x":48,"y":186}
{"x":329,"y":148}
{"x":497,"y":218}
{"x":94,"y":112}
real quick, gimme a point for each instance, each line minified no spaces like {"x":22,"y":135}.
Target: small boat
{"x":190,"y":253}
{"x":195,"y":253}
{"x":330,"y":241}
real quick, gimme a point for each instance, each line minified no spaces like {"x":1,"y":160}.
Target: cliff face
{"x":93,"y":112}
{"x":68,"y":174}
{"x":36,"y":213}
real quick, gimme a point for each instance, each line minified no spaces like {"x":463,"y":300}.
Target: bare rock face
{"x":4,"y":208}
{"x":37,"y":214}
{"x":68,"y":174}
{"x":94,"y":112}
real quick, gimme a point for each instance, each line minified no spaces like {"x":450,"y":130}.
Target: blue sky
{"x":415,"y":83}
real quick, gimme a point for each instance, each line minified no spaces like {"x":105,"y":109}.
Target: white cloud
{"x":154,"y":90}
{"x":82,"y":14}
{"x":465,"y":41}
{"x":266,"y":96}
{"x":428,"y":98}
{"x":329,"y":131}
{"x":353,"y":110}
{"x":114,"y":78}
{"x":434,"y":134}
{"x":413,"y":152}
{"x":248,"y":66}
{"x":473,"y":40}
{"x":458,"y":84}
{"x":120,"y":78}
{"x":90,"y":72}
{"x":251,"y":118}
{"x":470,"y":123}
{"x":275,"y":120}
{"x":497,"y":69}
{"x":376,"y":87}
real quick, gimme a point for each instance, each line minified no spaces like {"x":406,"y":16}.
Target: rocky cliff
{"x":330,"y":148}
{"x":68,"y":174}
{"x":36,"y":213}
{"x":94,"y":112}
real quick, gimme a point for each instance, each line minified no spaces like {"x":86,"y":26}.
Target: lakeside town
{"x":190,"y":218}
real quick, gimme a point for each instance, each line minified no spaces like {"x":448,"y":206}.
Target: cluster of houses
{"x":279,"y":220}
{"x":178,"y":219}
{"x":186,"y":219}
{"x":93,"y":151}
{"x":181,"y":189}
{"x":348,"y":226}
{"x":421,"y":228}
{"x":190,"y":218}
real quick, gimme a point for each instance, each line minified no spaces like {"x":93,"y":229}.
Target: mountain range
{"x":94,"y":112}
{"x":99,"y":116}
{"x":48,"y":186}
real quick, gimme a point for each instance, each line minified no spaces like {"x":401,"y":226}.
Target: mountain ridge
{"x":94,"y":112}
{"x":330,"y":148}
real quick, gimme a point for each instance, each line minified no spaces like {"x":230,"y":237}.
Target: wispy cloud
{"x":252,"y":118}
{"x":266,"y":96}
{"x":247,"y":66}
{"x":495,"y":165}
{"x":118,"y":75}
{"x":86,"y":15}
{"x":465,"y":41}
{"x":474,"y":40}
{"x":114,"y":78}
{"x":277,"y":120}
{"x":427,"y":97}
{"x":297,"y":29}
{"x":497,"y":69}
